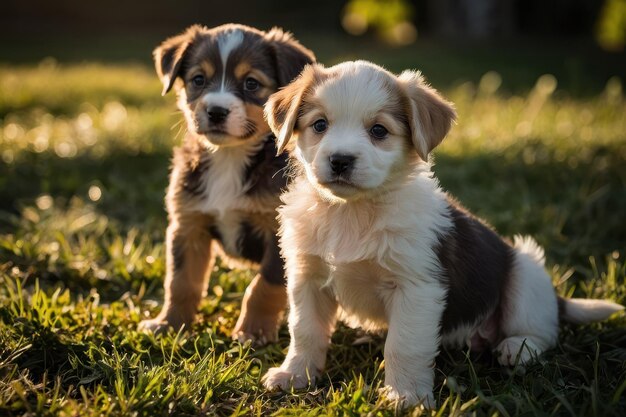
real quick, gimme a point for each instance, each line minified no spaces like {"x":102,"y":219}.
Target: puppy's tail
{"x":528,"y":246}
{"x":572,"y":310}
{"x":584,"y":311}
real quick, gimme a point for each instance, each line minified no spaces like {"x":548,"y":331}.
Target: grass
{"x":84,"y":152}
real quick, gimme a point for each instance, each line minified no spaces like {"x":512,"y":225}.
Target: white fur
{"x":382,"y":271}
{"x":530,"y":313}
{"x":226,"y":43}
{"x":370,"y":259}
{"x":350,"y":109}
{"x":224,"y":188}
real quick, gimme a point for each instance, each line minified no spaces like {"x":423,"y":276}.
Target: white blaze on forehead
{"x":226,"y":43}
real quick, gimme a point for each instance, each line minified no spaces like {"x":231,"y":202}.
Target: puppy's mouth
{"x":215,"y":131}
{"x":220,"y":132}
{"x":338,"y":180}
{"x":340,"y":184}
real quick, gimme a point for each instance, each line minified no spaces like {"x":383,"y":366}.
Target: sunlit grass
{"x":84,"y":156}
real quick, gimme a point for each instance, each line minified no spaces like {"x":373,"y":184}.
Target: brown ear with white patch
{"x":290,"y":56}
{"x":430,"y":115}
{"x":283,"y":107}
{"x":168,"y":56}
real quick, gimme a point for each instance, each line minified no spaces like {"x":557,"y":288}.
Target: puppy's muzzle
{"x":217,"y":114}
{"x":342,"y":164}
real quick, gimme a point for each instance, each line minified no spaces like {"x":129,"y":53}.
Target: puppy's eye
{"x":198,"y":81}
{"x":378,"y":131}
{"x":320,"y":126}
{"x":250,"y":84}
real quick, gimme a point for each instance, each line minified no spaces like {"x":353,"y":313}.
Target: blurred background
{"x":581,"y":42}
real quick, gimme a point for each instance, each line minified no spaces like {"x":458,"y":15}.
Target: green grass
{"x":84,"y":154}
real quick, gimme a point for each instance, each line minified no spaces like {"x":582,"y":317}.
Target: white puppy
{"x":369,"y":237}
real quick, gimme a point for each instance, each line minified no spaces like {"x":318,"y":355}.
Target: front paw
{"x":280,"y":379}
{"x":408,"y":398}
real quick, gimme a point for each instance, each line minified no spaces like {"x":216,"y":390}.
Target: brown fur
{"x":432,"y":116}
{"x":244,"y":234}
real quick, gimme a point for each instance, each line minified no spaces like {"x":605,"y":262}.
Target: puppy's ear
{"x":290,"y":56}
{"x":168,"y":56}
{"x":283,"y":107}
{"x":430,"y":116}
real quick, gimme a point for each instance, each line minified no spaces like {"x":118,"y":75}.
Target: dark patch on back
{"x":251,"y":243}
{"x":476,"y":266}
{"x":266,"y":172}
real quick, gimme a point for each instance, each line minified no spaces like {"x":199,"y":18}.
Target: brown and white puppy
{"x":226,"y":178}
{"x":369,"y":237}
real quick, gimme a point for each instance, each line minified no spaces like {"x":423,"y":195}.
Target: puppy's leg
{"x":414,"y":312}
{"x":529,"y":310}
{"x":312,"y":318}
{"x":264,"y":301}
{"x":189,"y":263}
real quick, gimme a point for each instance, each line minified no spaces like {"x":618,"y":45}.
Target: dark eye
{"x":320,"y":126}
{"x":251,"y":84}
{"x":378,"y":131}
{"x":198,"y":81}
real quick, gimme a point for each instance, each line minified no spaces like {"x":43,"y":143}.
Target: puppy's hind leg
{"x":189,"y":263}
{"x":529,"y":322}
{"x":264,"y":301}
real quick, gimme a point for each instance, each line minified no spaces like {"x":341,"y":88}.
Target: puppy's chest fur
{"x":370,"y":248}
{"x":237,"y":187}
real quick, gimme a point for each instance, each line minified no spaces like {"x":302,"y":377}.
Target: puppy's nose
{"x":341,"y":163}
{"x":218,"y":114}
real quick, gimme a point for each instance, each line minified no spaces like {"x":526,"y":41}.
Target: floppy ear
{"x":283,"y":107}
{"x":290,"y":56}
{"x":168,"y":56}
{"x":430,"y":116}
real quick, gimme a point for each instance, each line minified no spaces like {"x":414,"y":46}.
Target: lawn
{"x":84,"y":156}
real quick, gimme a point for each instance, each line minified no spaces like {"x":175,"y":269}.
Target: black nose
{"x":218,"y":114}
{"x":340,"y":163}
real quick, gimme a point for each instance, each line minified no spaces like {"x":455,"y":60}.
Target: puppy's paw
{"x":516,"y":350}
{"x":260,"y":329}
{"x":161,"y":324}
{"x":280,"y":379}
{"x":156,"y":325}
{"x":407,"y":398}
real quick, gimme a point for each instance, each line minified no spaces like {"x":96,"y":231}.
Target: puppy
{"x":369,"y":237}
{"x":227,"y":176}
